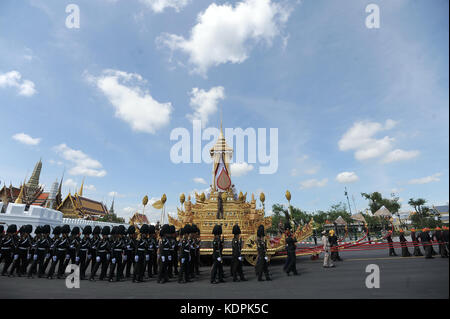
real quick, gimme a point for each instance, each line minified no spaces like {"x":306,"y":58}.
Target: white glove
{"x":97,"y":259}
{"x":163,"y":258}
{"x":136,"y":258}
{"x":77,"y":259}
{"x":219,"y":259}
{"x":240,"y":258}
{"x":34,"y":257}
{"x":125,"y":257}
{"x":89,"y":256}
{"x":54,"y":258}
{"x":266,"y":258}
{"x":182,"y":260}
{"x":113,"y":260}
{"x":147,"y":257}
{"x":28,"y":256}
{"x":170,"y":258}
{"x":128,"y":247}
{"x":108,"y":256}
{"x":47,"y":256}
{"x":67,"y":256}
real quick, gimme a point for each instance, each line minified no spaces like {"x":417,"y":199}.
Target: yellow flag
{"x":158,"y":204}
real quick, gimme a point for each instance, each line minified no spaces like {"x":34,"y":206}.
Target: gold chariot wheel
{"x":250,"y":244}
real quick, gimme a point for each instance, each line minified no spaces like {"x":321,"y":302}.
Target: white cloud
{"x":84,"y":165}
{"x":399,"y":155}
{"x":26,"y":139}
{"x":199,"y":180}
{"x":240,"y":169}
{"x":14,"y":79}
{"x":312,"y":170}
{"x":224,"y":33}
{"x":115,"y":194}
{"x":158,"y":6}
{"x":70,"y":183}
{"x":53,"y":162}
{"x":89,"y":188}
{"x":426,"y":180}
{"x":205,"y":103}
{"x":310,"y":183}
{"x":132,"y":103}
{"x":347,"y":177}
{"x":294,"y":172}
{"x":361,"y":138}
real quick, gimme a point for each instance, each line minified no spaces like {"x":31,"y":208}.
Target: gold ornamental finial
{"x":288,"y":196}
{"x":202,"y":197}
{"x":19,"y":199}
{"x":145,"y":200}
{"x":182,"y":199}
{"x":163,"y":199}
{"x":262,"y":197}
{"x":80,"y":192}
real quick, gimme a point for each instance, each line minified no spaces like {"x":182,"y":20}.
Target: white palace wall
{"x":39,"y":216}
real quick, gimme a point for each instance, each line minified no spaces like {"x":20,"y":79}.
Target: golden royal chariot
{"x":222,"y":205}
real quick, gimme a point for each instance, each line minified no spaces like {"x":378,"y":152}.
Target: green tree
{"x":376,"y":201}
{"x":423,"y":216}
{"x":112,"y":218}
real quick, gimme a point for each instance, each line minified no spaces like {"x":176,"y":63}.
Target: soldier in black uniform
{"x":7,"y":246}
{"x":21,"y":251}
{"x":237,"y":259}
{"x":164,"y":253}
{"x":217,"y":268}
{"x":261,"y":262}
{"x":192,"y":252}
{"x":334,"y":243}
{"x":153,"y":252}
{"x":123,"y":237}
{"x":390,"y":244}
{"x":83,"y":251}
{"x":130,"y":250}
{"x":32,"y":250}
{"x":417,"y":251}
{"x":61,"y":246}
{"x":117,"y":247}
{"x":425,"y":239}
{"x":141,"y":251}
{"x":174,"y":244}
{"x":445,"y":238}
{"x":196,"y":261}
{"x":437,"y":236}
{"x":103,"y":255}
{"x":172,"y":265}
{"x":291,"y":246}
{"x":405,"y":251}
{"x":72,"y":250}
{"x":92,"y":252}
{"x":42,"y":248}
{"x":51,"y":254}
{"x":184,"y":245}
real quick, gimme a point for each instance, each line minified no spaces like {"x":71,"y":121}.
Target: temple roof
{"x":41,"y":199}
{"x":221,"y":145}
{"x":85,"y":205}
{"x":138,"y":218}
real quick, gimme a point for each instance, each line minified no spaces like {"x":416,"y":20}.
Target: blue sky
{"x":101,"y":100}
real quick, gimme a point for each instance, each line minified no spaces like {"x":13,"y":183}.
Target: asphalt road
{"x":413,"y":277}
